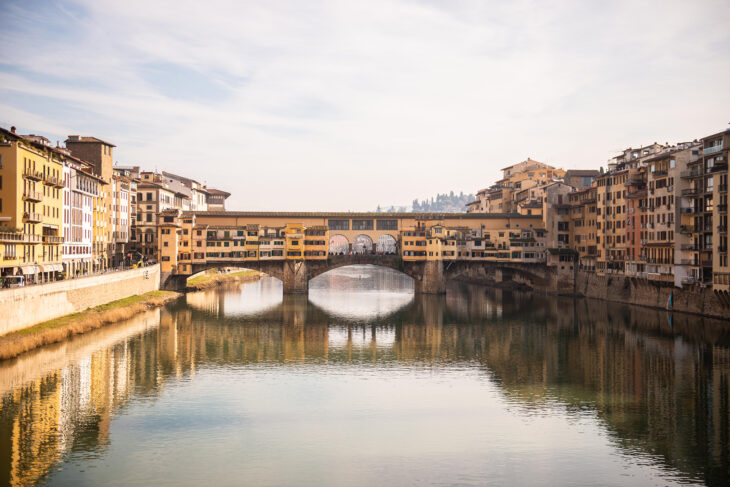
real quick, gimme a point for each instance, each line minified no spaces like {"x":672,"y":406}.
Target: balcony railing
{"x":719,"y":167}
{"x":722,"y":207}
{"x":658,"y":174}
{"x":52,"y":239}
{"x":689,"y":247}
{"x":32,"y":217}
{"x":722,"y":229}
{"x":53,"y":181}
{"x":722,"y":188}
{"x":30,"y":195}
{"x":706,"y":263}
{"x":8,"y":237}
{"x":685,"y":229}
{"x":691,"y":173}
{"x":712,"y":150}
{"x":691,"y":192}
{"x":32,"y":175}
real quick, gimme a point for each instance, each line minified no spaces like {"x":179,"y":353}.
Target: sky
{"x":345,"y":105}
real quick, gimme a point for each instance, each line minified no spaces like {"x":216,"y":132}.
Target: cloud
{"x":347,"y":105}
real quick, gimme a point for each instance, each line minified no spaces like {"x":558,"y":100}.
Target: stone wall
{"x":647,"y":293}
{"x":26,"y":306}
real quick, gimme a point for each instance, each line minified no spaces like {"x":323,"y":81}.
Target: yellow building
{"x":316,"y":242}
{"x":31,"y":207}
{"x":294,"y":241}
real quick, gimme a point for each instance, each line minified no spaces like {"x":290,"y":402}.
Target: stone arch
{"x":386,"y":244}
{"x":362,"y":244}
{"x":339,"y":245}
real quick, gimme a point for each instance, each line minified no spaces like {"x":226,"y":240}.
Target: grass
{"x":213,"y":279}
{"x":58,"y":329}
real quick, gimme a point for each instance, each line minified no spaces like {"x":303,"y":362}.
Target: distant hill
{"x":441,"y":203}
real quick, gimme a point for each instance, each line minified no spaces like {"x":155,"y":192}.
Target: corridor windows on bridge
{"x":338,"y":224}
{"x":387,"y":224}
{"x":362,"y":225}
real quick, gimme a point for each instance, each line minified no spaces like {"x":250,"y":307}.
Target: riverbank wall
{"x":642,"y":292}
{"x":26,"y":306}
{"x":566,"y":280}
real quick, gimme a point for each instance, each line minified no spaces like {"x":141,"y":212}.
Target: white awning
{"x":42,"y":268}
{"x":29,"y":269}
{"x":57,"y":267}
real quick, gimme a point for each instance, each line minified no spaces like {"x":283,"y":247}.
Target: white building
{"x":79,"y":191}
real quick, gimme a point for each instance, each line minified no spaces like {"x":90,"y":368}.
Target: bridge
{"x":297,"y":247}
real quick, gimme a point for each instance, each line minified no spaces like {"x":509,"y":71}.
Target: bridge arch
{"x":339,"y":245}
{"x":386,"y":244}
{"x":362,"y":244}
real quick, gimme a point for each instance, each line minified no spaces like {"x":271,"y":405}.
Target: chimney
{"x":12,"y":129}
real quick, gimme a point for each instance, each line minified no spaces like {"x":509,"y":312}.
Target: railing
{"x":691,"y":173}
{"x":686,"y":229}
{"x":721,"y":166}
{"x":690,"y":192}
{"x":722,"y":188}
{"x":30,"y":195}
{"x":688,"y":247}
{"x":722,"y":207}
{"x":31,"y":238}
{"x":722,"y":228}
{"x":687,"y":211}
{"x":712,"y":150}
{"x":32,"y":217}
{"x":34,"y":175}
{"x":52,"y":239}
{"x":658,"y":174}
{"x":706,"y":263}
{"x":686,"y":261}
{"x":8,"y":237}
{"x":52,"y":180}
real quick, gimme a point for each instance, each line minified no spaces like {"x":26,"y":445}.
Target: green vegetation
{"x":441,"y":203}
{"x":58,"y":329}
{"x":214,"y":276}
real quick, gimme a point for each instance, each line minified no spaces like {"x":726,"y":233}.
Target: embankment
{"x":26,"y":306}
{"x":621,"y":289}
{"x":58,"y":329}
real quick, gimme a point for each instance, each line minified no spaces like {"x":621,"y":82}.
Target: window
{"x":362,"y":224}
{"x":338,"y":224}
{"x":387,"y":224}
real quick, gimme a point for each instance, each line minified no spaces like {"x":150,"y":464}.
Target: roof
{"x":726,"y":131}
{"x":581,"y":172}
{"x":214,"y":191}
{"x":76,"y":139}
{"x":374,"y":215}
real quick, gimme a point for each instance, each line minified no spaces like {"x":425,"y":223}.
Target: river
{"x":363,"y":384}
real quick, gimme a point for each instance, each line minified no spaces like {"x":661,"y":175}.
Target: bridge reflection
{"x":632,"y":367}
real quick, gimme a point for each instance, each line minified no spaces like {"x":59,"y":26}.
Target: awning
{"x":29,"y":269}
{"x":57,"y":267}
{"x":43,"y":268}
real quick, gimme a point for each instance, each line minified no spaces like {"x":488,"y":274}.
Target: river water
{"x":362,"y":383}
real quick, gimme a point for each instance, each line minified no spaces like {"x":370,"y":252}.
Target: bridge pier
{"x":295,"y":278}
{"x":432,"y":280}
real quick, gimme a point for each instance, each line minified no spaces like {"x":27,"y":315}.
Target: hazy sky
{"x":347,"y":105}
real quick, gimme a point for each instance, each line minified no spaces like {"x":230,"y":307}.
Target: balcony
{"x":722,"y":207}
{"x":32,"y":217}
{"x":659,"y":174}
{"x":31,"y":238}
{"x":8,"y":237}
{"x":719,"y":167}
{"x":706,"y":263}
{"x":722,"y":188}
{"x":53,"y":181}
{"x":688,"y":211}
{"x":721,"y":229}
{"x":712,"y":150}
{"x":52,"y":239}
{"x":32,"y":175}
{"x":30,"y":195}
{"x":689,"y":174}
{"x":689,"y":247}
{"x":691,"y":192}
{"x":685,"y":229}
{"x":686,"y":261}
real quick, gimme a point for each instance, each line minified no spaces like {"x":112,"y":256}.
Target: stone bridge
{"x":429,"y":277}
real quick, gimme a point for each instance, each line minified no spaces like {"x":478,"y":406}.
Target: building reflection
{"x":659,"y":383}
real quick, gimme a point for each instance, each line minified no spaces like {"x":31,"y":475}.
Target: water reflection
{"x":457,"y":389}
